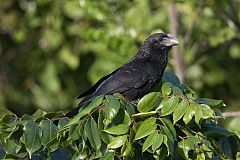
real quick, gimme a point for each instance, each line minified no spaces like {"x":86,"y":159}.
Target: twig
{"x":229,"y":114}
{"x":177,"y":57}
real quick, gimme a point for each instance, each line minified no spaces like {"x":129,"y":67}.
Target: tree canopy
{"x":170,"y":123}
{"x":50,"y":51}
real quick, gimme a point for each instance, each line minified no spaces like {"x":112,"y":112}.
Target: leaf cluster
{"x":170,"y":123}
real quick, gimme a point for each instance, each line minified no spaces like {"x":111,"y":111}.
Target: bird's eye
{"x":160,"y":39}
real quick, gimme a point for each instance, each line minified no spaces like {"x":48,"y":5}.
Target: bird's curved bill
{"x":171,"y":40}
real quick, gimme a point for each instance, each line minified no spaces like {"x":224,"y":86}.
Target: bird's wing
{"x":134,"y":74}
{"x":96,"y":85}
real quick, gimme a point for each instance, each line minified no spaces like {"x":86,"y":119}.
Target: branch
{"x":230,"y":17}
{"x":229,"y":114}
{"x":177,"y":56}
{"x":234,"y":13}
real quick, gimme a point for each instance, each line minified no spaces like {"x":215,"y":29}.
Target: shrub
{"x":170,"y":122}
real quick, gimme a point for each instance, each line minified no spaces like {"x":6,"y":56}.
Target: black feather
{"x":138,"y":76}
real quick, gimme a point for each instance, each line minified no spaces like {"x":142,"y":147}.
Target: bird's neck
{"x":160,"y":55}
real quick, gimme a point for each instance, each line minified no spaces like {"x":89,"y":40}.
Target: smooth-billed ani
{"x":136,"y":77}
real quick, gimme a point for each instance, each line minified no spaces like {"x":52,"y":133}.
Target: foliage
{"x":170,"y":122}
{"x":56,"y":49}
{"x":52,"y":50}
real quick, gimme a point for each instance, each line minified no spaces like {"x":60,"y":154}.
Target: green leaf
{"x":206,"y":146}
{"x":183,"y":129}
{"x":199,"y":113}
{"x":185,"y":145}
{"x":69,"y":58}
{"x":168,"y":123}
{"x":49,"y":131}
{"x":180,"y":110}
{"x":91,"y":132}
{"x":130,"y":108}
{"x":157,"y":142}
{"x":111,"y":109}
{"x":4,"y":111}
{"x":52,"y":115}
{"x":126,"y":149}
{"x":162,"y":101}
{"x":166,"y":88}
{"x":83,"y":139}
{"x":71,"y":10}
{"x":165,"y":141}
{"x":8,"y":124}
{"x":207,"y":112}
{"x":39,"y":113}
{"x":210,"y":102}
{"x":127,"y":119}
{"x":62,"y":122}
{"x":32,"y":137}
{"x":162,"y":153}
{"x":117,"y":142}
{"x":119,"y":119}
{"x":74,"y":131}
{"x":191,"y":110}
{"x":96,"y":155}
{"x":169,"y":106}
{"x":27,"y":118}
{"x":201,"y":156}
{"x":117,"y":130}
{"x":10,"y":147}
{"x":53,"y":145}
{"x":100,"y":121}
{"x":149,"y":141}
{"x":148,"y":102}
{"x":132,"y":134}
{"x":188,"y":144}
{"x":145,"y":114}
{"x":120,"y":97}
{"x":177,"y":91}
{"x":147,"y":127}
{"x":86,"y":109}
{"x":49,"y":77}
{"x":108,"y":156}
{"x":167,"y":132}
{"x":106,"y":138}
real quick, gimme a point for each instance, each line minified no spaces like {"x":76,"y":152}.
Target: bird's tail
{"x":75,"y":110}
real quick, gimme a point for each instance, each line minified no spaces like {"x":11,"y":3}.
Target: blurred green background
{"x":53,"y":50}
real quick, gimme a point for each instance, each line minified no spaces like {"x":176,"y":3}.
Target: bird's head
{"x":157,"y":45}
{"x":159,"y":41}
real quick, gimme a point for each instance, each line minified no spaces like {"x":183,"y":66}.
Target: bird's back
{"x":134,"y":78}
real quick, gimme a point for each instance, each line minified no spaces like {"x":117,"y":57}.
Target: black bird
{"x":136,"y":77}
